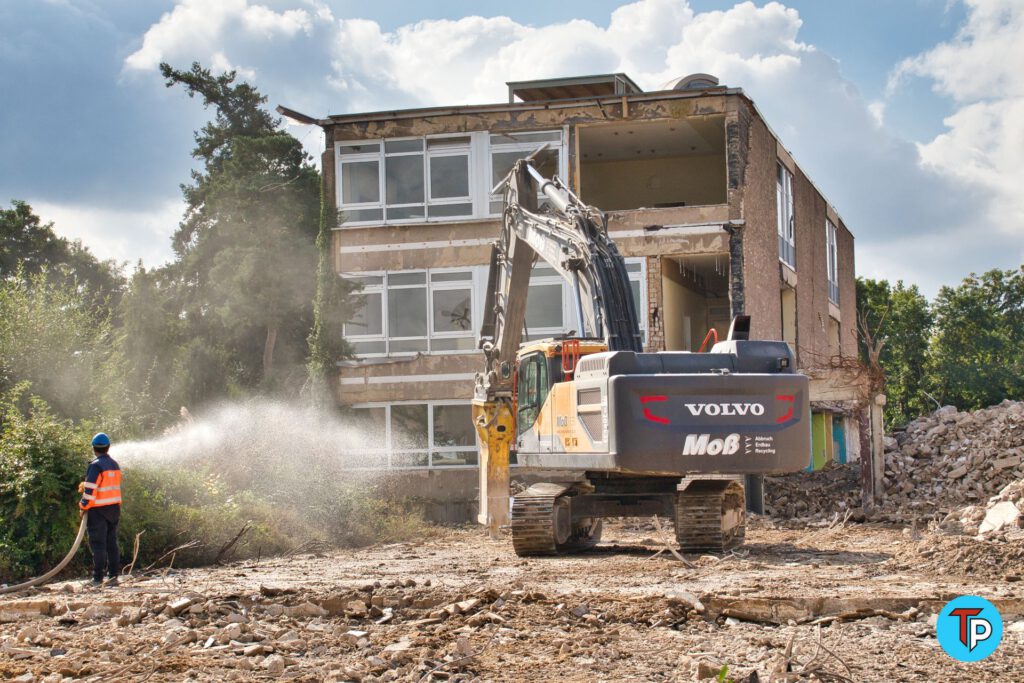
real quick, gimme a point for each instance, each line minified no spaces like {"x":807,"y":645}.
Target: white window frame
{"x":478,"y":154}
{"x":389,"y":450}
{"x":832,"y":260}
{"x":459,"y":151}
{"x":786,"y":216}
{"x":385,"y":155}
{"x":342,"y":160}
{"x":430,"y":286}
{"x":568,"y":306}
{"x":526,"y":148}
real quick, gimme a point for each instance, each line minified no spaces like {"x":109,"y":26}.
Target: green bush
{"x":42,"y":460}
{"x":172,"y":505}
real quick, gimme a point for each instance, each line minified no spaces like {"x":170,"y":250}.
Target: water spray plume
{"x":299,"y":474}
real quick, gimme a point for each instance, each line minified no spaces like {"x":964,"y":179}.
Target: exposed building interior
{"x":695,"y":298}
{"x":653,"y":164}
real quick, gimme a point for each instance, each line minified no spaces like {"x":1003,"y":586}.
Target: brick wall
{"x":655,"y":309}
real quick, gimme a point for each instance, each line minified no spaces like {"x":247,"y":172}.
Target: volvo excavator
{"x":635,"y":433}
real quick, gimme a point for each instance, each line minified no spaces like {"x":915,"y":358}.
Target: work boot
{"x":96,"y":583}
{"x":112,"y":581}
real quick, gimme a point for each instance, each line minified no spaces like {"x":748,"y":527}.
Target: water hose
{"x":53,"y":572}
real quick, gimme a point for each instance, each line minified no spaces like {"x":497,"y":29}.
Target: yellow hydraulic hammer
{"x":495,"y":425}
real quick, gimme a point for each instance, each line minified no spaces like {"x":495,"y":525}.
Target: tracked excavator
{"x":636,"y":434}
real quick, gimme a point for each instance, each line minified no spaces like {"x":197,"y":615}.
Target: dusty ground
{"x":849,"y":603}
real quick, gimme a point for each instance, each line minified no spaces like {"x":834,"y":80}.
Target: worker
{"x":101,"y":501}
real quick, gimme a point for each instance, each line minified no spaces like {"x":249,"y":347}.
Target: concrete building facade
{"x":712,"y":213}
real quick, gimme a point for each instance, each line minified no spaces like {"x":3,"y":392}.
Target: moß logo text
{"x":703,"y":444}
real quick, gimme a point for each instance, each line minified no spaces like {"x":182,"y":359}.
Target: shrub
{"x":42,"y":460}
{"x":173,"y":505}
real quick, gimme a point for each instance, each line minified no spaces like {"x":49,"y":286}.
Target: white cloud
{"x":981,"y":70}
{"x":119,"y":234}
{"x":893,"y":193}
{"x":197,"y":29}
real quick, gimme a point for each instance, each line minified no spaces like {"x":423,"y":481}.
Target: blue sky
{"x":909,"y":114}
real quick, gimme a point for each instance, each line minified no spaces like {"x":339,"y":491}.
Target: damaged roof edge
{"x":296,"y":115}
{"x":518,"y":106}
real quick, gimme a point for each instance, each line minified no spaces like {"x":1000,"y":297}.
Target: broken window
{"x":832,"y":256}
{"x":414,"y":311}
{"x":786,"y":219}
{"x":426,"y":434}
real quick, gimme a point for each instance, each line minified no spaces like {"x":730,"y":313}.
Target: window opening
{"x":831,"y":242}
{"x":786,"y":218}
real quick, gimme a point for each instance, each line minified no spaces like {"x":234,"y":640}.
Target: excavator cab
{"x":540,"y":367}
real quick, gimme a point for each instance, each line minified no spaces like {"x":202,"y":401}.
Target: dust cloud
{"x":283,"y":451}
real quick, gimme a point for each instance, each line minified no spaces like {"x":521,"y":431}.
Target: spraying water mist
{"x":299,"y":475}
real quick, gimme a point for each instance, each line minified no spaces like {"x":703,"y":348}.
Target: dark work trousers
{"x":102,"y":525}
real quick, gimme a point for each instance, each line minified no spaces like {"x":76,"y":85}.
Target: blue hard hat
{"x":100,"y":440}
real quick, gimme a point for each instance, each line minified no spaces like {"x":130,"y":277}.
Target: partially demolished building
{"x":713,"y":214}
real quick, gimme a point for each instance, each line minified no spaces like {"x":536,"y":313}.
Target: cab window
{"x":532,"y":388}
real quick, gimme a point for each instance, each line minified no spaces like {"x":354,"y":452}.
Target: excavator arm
{"x":572,"y":238}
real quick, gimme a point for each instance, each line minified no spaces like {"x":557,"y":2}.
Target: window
{"x":405,"y":180}
{"x":408,"y":180}
{"x":532,"y":389}
{"x":404,"y":435}
{"x":550,"y":310}
{"x":786,"y":221}
{"x":832,"y":256}
{"x":414,"y":311}
{"x":508,"y":148}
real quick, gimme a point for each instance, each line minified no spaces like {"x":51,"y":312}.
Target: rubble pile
{"x":956,"y":468}
{"x":823,"y":494}
{"x":962,"y":470}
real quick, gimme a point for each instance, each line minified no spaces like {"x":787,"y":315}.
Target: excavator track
{"x":541,"y":523}
{"x":710,"y":516}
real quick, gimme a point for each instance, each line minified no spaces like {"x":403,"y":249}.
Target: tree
{"x":29,"y":246}
{"x":53,"y":340}
{"x":976,"y":357}
{"x":246,"y":250}
{"x":900,"y":317}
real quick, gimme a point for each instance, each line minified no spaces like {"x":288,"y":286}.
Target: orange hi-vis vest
{"x":106,"y":490}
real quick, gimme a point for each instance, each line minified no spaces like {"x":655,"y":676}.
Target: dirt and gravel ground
{"x":852,"y":602}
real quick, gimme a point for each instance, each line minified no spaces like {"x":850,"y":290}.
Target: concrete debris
{"x":306,"y":609}
{"x":954,"y":468}
{"x":274,"y":664}
{"x":953,"y":461}
{"x":1000,"y":514}
{"x":178,"y":606}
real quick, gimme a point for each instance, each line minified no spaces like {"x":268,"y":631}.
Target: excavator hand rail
{"x":711,"y":333}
